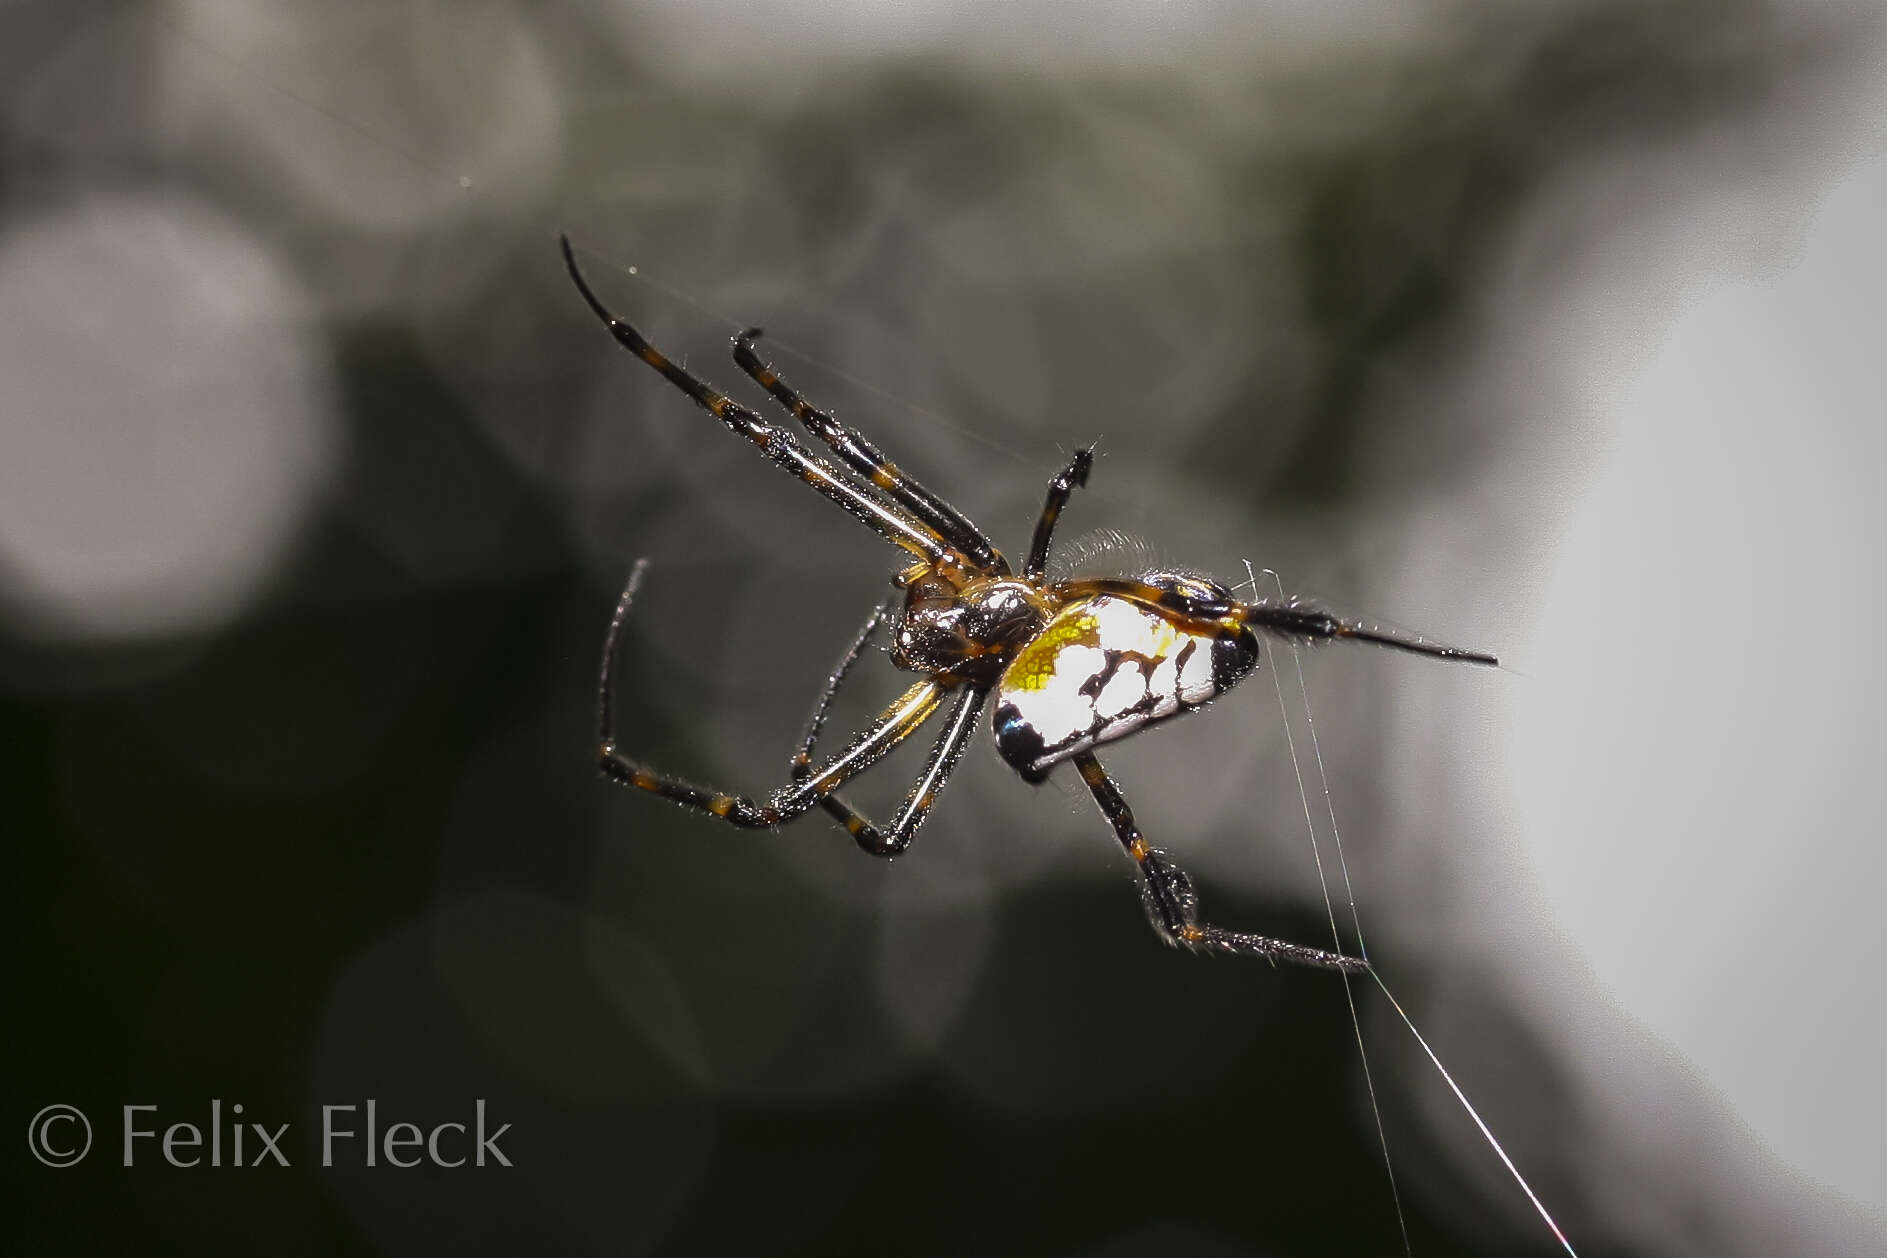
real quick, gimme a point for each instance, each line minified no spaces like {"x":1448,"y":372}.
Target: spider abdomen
{"x":1104,"y":667}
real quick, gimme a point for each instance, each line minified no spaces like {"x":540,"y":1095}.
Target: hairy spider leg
{"x":816,"y":723}
{"x":890,"y":522}
{"x":858,"y":453}
{"x":801,"y":767}
{"x":891,"y":727}
{"x":1299,"y":621}
{"x":1059,"y":490}
{"x":922,"y":797}
{"x":1291,"y":620}
{"x":1173,"y":905}
{"x":958,"y":728}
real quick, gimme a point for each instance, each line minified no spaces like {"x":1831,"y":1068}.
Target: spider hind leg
{"x":1173,"y":905}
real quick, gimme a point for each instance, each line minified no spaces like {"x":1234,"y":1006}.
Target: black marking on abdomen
{"x":1092,"y":689}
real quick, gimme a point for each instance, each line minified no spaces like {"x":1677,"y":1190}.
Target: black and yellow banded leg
{"x":892,"y":523}
{"x":801,"y":767}
{"x":1173,"y":905}
{"x":869,"y":461}
{"x":868,"y":747}
{"x":958,"y":727}
{"x":802,"y":759}
{"x":1297,"y":620}
{"x":1059,"y":490}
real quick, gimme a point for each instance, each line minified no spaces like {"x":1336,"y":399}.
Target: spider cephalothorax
{"x":1072,"y":664}
{"x":966,"y":629}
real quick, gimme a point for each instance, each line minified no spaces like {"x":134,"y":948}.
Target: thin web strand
{"x":209,"y":49}
{"x":1323,"y":781}
{"x":1475,"y":1115}
{"x":1363,"y":951}
{"x":262,"y":82}
{"x":775,"y":345}
{"x":1349,"y":995}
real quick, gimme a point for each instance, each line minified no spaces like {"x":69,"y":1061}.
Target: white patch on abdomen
{"x":1056,"y":709}
{"x":1127,"y":690}
{"x":1060,"y":686}
{"x":1196,"y":685}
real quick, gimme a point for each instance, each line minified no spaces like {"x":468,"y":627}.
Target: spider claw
{"x":1084,"y":463}
{"x":750,"y":361}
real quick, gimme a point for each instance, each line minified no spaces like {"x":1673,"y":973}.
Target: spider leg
{"x":869,"y":461}
{"x":868,"y":747}
{"x":923,"y":793}
{"x":1059,"y":490}
{"x":802,"y":759}
{"x":801,"y":766}
{"x":891,"y":523}
{"x":1300,"y":620}
{"x":1173,"y":906}
{"x":944,"y":754}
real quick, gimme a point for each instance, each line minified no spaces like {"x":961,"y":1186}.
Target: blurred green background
{"x":320,"y":483}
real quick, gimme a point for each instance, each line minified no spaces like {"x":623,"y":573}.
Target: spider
{"x":1071,"y":664}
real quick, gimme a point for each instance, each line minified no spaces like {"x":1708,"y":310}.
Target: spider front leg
{"x":891,"y":727}
{"x":923,"y":794}
{"x":1173,"y":906}
{"x":891,"y":523}
{"x":1059,"y":491}
{"x":867,"y":459}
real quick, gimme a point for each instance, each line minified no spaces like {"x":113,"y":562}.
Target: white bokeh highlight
{"x":1693,"y":762}
{"x":170,"y":418}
